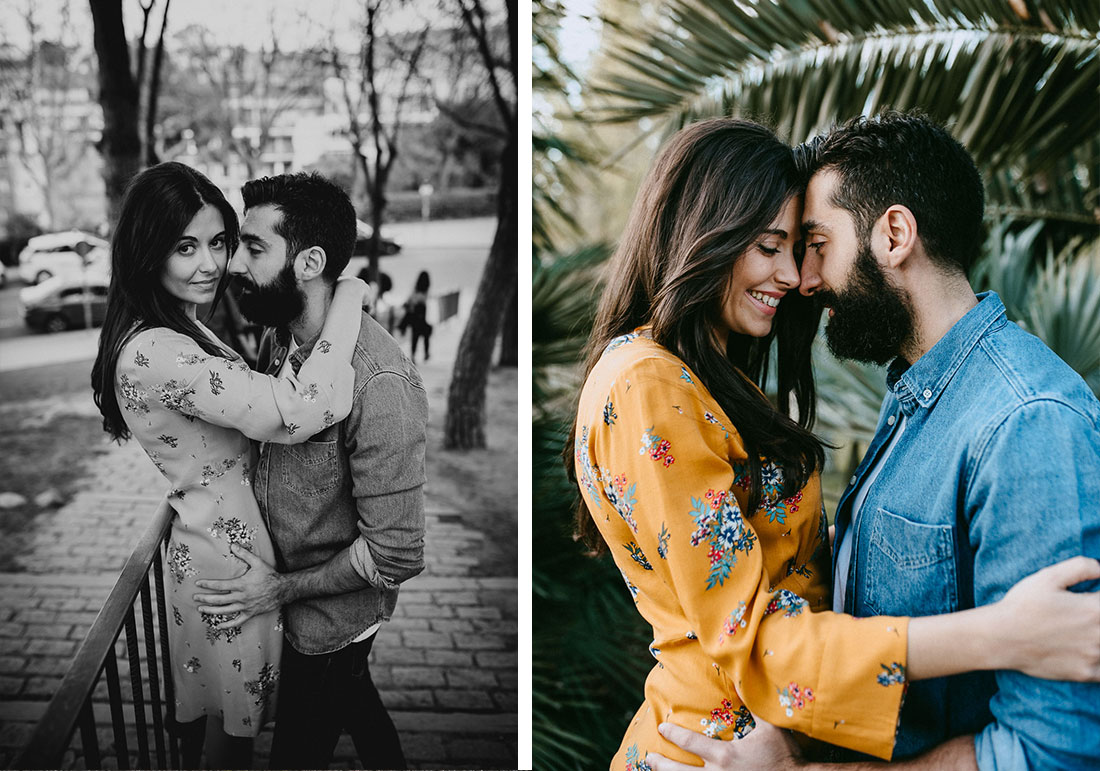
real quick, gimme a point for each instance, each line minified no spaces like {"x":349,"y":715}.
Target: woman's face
{"x":198,"y":259}
{"x":763,"y":275}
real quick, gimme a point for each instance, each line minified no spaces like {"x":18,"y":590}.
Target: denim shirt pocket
{"x":910,"y":567}
{"x":312,"y":468}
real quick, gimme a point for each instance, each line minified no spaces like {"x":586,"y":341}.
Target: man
{"x":985,"y":465}
{"x":345,"y":509}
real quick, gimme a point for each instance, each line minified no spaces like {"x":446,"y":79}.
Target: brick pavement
{"x":446,"y":665}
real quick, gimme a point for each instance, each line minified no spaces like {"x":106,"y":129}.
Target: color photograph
{"x":816,"y":341}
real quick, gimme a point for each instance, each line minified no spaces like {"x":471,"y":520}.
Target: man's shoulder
{"x":1017,"y":369}
{"x":378,"y":358}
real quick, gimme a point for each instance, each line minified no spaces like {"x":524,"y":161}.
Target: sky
{"x":230,"y":21}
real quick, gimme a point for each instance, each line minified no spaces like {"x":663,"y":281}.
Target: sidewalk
{"x":445,"y":665}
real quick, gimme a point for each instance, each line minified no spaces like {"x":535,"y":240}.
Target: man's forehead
{"x":261,"y":221}
{"x":819,"y":208}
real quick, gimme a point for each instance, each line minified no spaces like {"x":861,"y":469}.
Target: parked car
{"x":55,"y":254}
{"x":363,"y":233}
{"x":358,"y":262}
{"x":57,"y":303}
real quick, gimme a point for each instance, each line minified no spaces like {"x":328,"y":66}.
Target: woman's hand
{"x":356,"y":288}
{"x":1049,"y":631}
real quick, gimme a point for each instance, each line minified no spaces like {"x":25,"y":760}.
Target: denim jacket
{"x":996,"y":475}
{"x":357,"y":485}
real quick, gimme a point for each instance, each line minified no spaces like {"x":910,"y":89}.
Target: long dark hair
{"x":714,"y":188}
{"x":157,"y":207}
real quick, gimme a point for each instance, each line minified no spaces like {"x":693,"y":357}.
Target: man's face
{"x":260,"y":267}
{"x":870,"y":317}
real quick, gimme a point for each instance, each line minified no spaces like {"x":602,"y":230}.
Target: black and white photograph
{"x":259,"y":384}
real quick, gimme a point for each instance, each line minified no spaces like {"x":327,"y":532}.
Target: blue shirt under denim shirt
{"x":996,"y":476}
{"x":358,"y":484}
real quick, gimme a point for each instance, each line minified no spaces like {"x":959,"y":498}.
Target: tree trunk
{"x":118,"y":96}
{"x":465,"y":424}
{"x":509,"y":333}
{"x":151,"y":157}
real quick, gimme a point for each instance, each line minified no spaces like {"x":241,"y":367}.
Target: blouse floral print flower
{"x":194,"y":414}
{"x":728,"y":592}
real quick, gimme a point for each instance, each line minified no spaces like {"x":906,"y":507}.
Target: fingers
{"x":245,"y":556}
{"x":235,"y":607}
{"x":658,"y":762}
{"x":220,"y":600}
{"x":1073,"y":571}
{"x":234,"y":622}
{"x":219,"y":585}
{"x":688,"y":740}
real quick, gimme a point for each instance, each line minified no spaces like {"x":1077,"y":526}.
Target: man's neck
{"x":939,"y":303}
{"x":318,"y":297}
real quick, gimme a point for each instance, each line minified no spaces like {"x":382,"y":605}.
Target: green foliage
{"x":1017,"y":82}
{"x":1018,"y":88}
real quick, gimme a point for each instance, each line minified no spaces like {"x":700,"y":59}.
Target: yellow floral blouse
{"x":737,"y":601}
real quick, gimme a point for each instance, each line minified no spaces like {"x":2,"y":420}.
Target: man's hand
{"x":767,"y":748}
{"x":258,"y":591}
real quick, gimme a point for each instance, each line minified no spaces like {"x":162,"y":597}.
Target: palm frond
{"x":1020,"y":93}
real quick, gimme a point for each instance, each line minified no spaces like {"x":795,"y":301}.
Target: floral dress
{"x":193,"y":413}
{"x":737,"y":600}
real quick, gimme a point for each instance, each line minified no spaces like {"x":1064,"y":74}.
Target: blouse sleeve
{"x":168,"y":367}
{"x":669,"y":471}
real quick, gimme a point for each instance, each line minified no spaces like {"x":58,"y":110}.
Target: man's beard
{"x":271,"y":305}
{"x":872,"y":318}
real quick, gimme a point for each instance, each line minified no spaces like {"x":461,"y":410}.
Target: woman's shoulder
{"x":154,"y":345}
{"x":638,"y":354}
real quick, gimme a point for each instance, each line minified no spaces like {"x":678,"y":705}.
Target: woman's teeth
{"x":767,"y":299}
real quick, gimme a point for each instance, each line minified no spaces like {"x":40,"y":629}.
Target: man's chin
{"x":845,"y":343}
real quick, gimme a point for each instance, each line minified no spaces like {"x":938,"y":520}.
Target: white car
{"x":56,"y":254}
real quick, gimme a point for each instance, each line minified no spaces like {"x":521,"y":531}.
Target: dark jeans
{"x":321,"y":696}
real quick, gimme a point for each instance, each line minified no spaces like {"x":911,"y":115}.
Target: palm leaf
{"x":1020,"y":93}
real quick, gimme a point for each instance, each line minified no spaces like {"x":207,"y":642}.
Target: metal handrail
{"x":72,"y":704}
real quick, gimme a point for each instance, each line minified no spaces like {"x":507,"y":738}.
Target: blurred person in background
{"x":416,"y":314}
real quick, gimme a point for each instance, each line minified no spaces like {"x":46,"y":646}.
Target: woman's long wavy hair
{"x":713,"y":190}
{"x":157,"y":207}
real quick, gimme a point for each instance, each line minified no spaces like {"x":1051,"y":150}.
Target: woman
{"x":194,"y":405}
{"x":674,"y":441}
{"x":416,"y":314}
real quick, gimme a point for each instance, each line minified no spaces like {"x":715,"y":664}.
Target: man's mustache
{"x":244,"y":285}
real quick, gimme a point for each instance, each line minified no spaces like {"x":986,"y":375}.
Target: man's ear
{"x":310,"y":263}
{"x":896,"y":235}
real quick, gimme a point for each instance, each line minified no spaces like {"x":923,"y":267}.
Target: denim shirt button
{"x":852,"y":481}
{"x":927,"y":394}
{"x":890,"y":420}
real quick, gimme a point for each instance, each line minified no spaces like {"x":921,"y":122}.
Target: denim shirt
{"x":996,"y":475}
{"x":357,"y":486}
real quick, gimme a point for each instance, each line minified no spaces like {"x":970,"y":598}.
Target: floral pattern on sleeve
{"x":694,"y":558}
{"x":177,"y":372}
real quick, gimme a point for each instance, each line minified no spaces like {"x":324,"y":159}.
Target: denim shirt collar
{"x":920,"y":384}
{"x":301,"y":353}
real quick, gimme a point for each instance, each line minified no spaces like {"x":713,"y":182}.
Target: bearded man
{"x":345,"y":509}
{"x":984,"y":467}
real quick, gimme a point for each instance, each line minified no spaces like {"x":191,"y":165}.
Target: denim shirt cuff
{"x":362,"y":562}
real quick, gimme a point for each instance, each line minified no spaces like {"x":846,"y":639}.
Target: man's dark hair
{"x":907,"y":159}
{"x":316,"y":212}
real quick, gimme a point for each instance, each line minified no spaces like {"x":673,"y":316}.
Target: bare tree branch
{"x":479,"y":29}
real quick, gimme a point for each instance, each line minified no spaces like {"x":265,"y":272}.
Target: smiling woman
{"x":193,"y":271}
